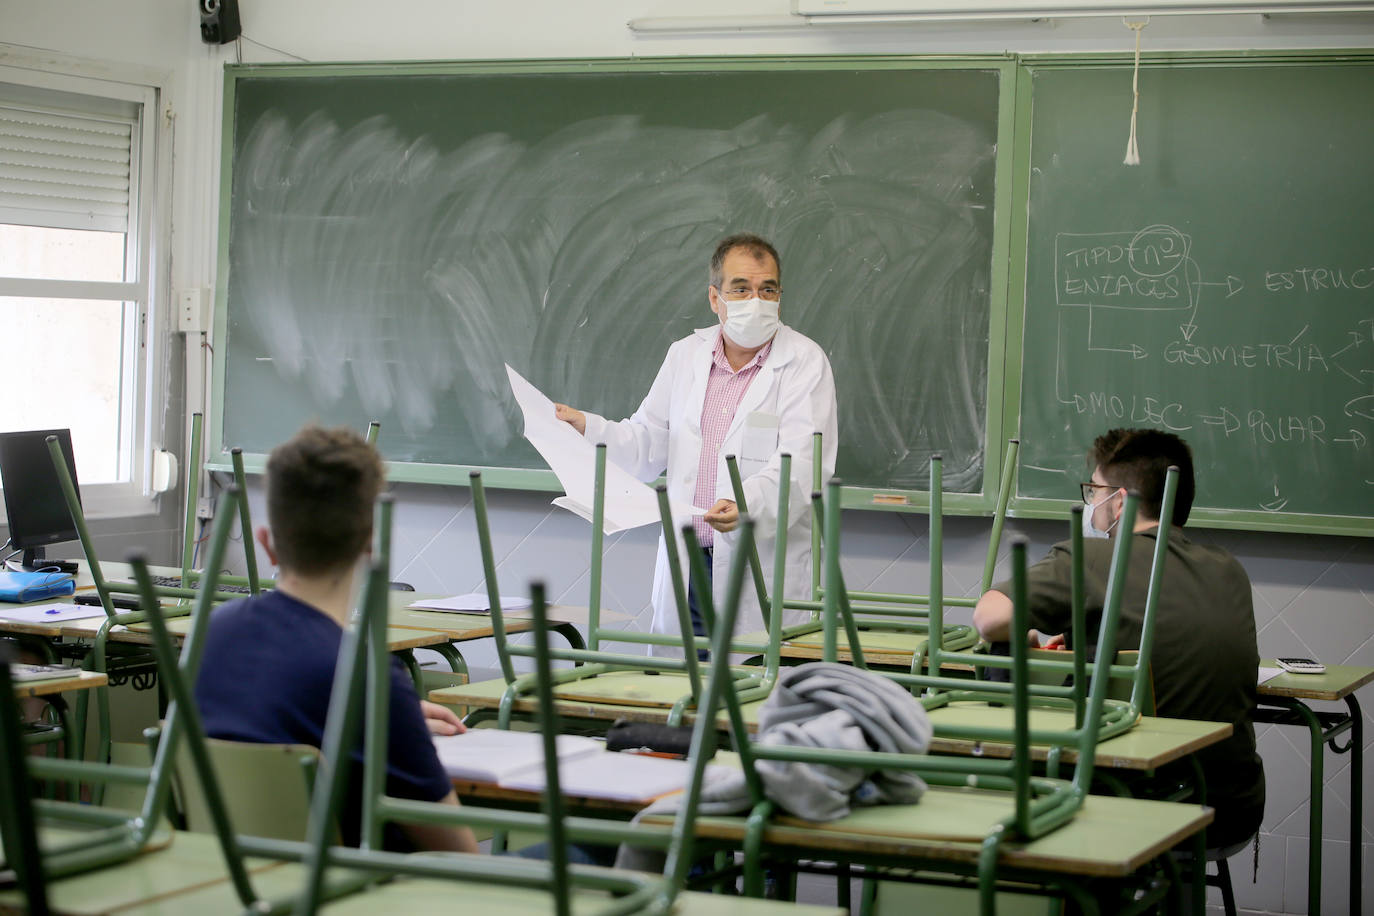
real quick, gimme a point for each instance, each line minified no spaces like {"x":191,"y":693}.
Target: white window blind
{"x":65,"y":171}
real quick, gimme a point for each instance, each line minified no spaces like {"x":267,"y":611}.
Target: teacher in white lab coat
{"x":751,"y":387}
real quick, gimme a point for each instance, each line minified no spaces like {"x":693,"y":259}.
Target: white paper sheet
{"x":51,"y":613}
{"x":630,"y":503}
{"x":471,"y":603}
{"x":1266,"y":674}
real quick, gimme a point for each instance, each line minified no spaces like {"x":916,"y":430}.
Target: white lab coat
{"x":791,"y":398}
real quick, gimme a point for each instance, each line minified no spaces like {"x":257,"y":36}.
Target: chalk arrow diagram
{"x":1136,"y":351}
{"x":1233,"y":285}
{"x":1228,"y":421}
{"x":1356,"y":439}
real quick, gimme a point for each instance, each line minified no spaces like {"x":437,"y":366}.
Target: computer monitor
{"x":37,"y":510}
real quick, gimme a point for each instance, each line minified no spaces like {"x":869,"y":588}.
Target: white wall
{"x":1313,"y":595}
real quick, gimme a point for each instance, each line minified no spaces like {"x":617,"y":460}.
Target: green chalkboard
{"x":1222,"y":288}
{"x":393,"y":234}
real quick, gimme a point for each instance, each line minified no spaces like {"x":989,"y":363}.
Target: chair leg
{"x":1223,"y":881}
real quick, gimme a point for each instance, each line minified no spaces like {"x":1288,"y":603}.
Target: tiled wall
{"x":1313,"y":596}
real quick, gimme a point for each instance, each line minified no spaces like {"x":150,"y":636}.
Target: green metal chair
{"x":596,"y":662}
{"x":364,"y":650}
{"x":1039,"y":804}
{"x":904,"y":618}
{"x":1052,"y":692}
{"x":102,"y":655}
{"x":89,"y":836}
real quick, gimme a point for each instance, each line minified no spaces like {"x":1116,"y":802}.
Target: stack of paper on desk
{"x":515,"y":760}
{"x":630,"y":503}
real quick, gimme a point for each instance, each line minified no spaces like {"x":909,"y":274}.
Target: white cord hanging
{"x":1132,"y":152}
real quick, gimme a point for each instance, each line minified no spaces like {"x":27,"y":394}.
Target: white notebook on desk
{"x":495,"y":755}
{"x":471,"y":603}
{"x":515,"y":760}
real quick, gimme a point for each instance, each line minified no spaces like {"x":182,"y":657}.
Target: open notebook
{"x":515,"y":760}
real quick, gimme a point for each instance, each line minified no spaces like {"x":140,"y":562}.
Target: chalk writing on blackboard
{"x":1122,"y":293}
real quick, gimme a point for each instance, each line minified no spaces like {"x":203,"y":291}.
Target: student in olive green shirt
{"x":1204,"y":662}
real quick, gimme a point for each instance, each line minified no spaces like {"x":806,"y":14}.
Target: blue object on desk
{"x":33,"y":586}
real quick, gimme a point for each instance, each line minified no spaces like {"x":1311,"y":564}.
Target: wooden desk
{"x":185,"y":863}
{"x":399,"y":639}
{"x":77,"y":680}
{"x":1281,"y":703}
{"x":881,"y":648}
{"x":1109,"y":837}
{"x":458,"y":627}
{"x":1153,"y":742}
{"x":189,"y":876}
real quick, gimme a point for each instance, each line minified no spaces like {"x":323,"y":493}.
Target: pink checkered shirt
{"x":725,"y":389}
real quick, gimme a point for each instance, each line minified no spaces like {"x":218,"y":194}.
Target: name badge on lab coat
{"x":759,"y":443}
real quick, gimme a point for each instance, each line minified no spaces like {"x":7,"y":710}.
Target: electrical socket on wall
{"x":191,"y":308}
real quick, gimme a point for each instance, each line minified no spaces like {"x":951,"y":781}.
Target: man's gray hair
{"x":756,"y":245}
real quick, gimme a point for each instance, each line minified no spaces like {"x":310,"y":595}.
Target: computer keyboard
{"x":175,"y":582}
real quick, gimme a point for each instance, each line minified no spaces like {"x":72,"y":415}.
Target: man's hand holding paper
{"x":629,"y":502}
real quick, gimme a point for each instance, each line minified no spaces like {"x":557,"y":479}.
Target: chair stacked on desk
{"x":620,"y":672}
{"x":1034,"y":806}
{"x":902,"y":621}
{"x":360,"y":692}
{"x":102,"y":655}
{"x":1051,"y":692}
{"x":75,"y":837}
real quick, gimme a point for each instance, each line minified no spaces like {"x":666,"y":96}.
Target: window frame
{"x":147,"y":336}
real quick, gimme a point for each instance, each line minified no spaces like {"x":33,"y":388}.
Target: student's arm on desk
{"x":438,"y":838}
{"x":992,"y":616}
{"x":440,"y":720}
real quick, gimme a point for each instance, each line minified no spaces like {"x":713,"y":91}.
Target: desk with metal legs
{"x":1153,"y":742}
{"x":1110,"y":838}
{"x":187,"y":875}
{"x":457,"y":627}
{"x":1281,"y":703}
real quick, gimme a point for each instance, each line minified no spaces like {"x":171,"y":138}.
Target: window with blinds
{"x":65,"y":171}
{"x":76,"y":255}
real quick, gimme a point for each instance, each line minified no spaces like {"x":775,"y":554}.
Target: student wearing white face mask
{"x":747,"y":386}
{"x":1205,"y":656}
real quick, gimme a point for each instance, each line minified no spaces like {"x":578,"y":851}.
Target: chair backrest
{"x":266,"y":786}
{"x":116,"y":834}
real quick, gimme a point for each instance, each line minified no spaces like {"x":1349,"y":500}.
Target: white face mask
{"x":750,"y":323}
{"x":1089,"y":529}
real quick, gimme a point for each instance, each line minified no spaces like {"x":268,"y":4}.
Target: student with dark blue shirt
{"x":269,"y":661}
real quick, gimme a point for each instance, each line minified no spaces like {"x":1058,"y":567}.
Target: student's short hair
{"x":321,"y":488}
{"x":756,"y":245}
{"x":1139,"y":459}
